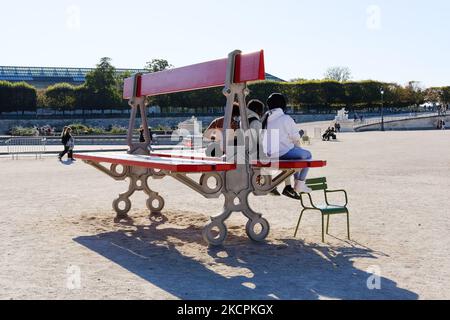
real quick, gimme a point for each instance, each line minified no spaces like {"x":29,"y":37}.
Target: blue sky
{"x":392,"y":40}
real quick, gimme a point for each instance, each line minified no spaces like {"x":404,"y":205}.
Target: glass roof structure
{"x":56,"y":75}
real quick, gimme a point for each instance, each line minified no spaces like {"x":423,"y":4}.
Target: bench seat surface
{"x":160,"y":163}
{"x":283,"y":164}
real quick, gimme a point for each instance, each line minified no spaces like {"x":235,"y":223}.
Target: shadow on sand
{"x":67,"y":162}
{"x":281,"y":269}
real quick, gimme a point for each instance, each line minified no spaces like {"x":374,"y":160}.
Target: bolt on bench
{"x":236,"y":181}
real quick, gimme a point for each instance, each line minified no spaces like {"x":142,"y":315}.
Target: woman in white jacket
{"x":282,"y":139}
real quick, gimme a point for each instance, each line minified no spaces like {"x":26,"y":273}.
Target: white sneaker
{"x":301,"y":187}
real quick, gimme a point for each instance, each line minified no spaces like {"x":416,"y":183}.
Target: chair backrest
{"x":317,"y":184}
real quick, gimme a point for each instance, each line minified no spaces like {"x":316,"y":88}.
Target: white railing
{"x":26,"y":145}
{"x":378,"y":120}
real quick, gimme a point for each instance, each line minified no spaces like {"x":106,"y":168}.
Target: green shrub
{"x":24,"y":132}
{"x":81,"y":129}
{"x":118,"y":130}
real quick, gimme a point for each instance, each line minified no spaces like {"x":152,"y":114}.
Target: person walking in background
{"x":337,"y":126}
{"x":68,"y":142}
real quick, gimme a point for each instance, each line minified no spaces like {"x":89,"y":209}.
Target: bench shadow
{"x":285,"y":269}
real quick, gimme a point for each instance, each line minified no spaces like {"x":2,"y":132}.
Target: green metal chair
{"x":327,"y":209}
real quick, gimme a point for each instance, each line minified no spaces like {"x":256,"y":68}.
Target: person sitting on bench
{"x":255,"y":111}
{"x":329,"y":134}
{"x":288,"y":146}
{"x":215,"y":133}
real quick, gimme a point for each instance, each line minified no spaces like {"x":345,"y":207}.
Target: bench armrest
{"x":336,"y":191}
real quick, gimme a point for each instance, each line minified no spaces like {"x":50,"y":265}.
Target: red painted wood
{"x":249,"y":67}
{"x":189,"y":157}
{"x":280,"y":164}
{"x":169,"y":164}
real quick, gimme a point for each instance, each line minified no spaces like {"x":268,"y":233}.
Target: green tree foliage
{"x":101,"y":87}
{"x":445,"y":95}
{"x":437,"y":95}
{"x":61,"y":97}
{"x":17,"y":97}
{"x":415,"y":92}
{"x":157,"y":65}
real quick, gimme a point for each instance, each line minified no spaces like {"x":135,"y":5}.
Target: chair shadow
{"x":287,"y":269}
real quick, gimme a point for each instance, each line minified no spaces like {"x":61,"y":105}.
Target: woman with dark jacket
{"x":68,"y":142}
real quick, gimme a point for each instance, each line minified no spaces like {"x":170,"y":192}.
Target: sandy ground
{"x":57,"y":223}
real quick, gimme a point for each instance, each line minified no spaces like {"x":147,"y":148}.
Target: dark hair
{"x":276,"y":100}
{"x":256,"y":106}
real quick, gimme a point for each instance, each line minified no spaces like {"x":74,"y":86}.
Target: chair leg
{"x":323,"y":228}
{"x":298,"y":224}
{"x":348,"y":225}
{"x":328,"y":224}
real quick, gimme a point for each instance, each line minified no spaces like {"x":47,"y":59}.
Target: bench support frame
{"x":138,"y":179}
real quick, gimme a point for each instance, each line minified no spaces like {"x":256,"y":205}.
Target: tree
{"x":157,"y":65}
{"x":298,"y":80}
{"x":17,"y":97}
{"x":340,"y":74}
{"x":60,"y":96}
{"x":101,"y":85}
{"x":415,"y":92}
{"x":445,"y":95}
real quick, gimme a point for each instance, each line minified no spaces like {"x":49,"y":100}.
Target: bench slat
{"x":249,"y":67}
{"x":281,"y":164}
{"x":169,"y":164}
{"x":317,"y":187}
{"x":316,"y":181}
{"x":293,"y":164}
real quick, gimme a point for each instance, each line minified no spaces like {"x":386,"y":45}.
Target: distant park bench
{"x":26,"y":145}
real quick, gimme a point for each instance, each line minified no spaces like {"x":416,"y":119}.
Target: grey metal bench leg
{"x":138,"y":182}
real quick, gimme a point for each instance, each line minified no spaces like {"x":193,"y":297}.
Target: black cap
{"x":276,"y":100}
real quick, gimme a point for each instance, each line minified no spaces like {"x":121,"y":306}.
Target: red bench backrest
{"x":248,"y":67}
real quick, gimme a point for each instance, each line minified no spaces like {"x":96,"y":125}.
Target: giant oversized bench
{"x":215,"y":176}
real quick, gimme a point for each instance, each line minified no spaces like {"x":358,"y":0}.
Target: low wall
{"x":420,"y":123}
{"x":6,"y":125}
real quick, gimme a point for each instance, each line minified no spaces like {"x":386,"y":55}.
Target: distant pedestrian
{"x":68,"y":142}
{"x":142,"y":134}
{"x":337,"y":126}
